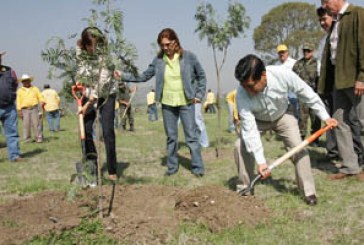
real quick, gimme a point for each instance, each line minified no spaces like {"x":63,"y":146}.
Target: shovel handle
{"x":78,"y":87}
{"x":286,"y":156}
{"x":299,"y":147}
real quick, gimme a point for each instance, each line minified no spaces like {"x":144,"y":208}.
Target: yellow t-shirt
{"x":51,"y":99}
{"x":173,"y":92}
{"x":210,"y":98}
{"x":231,"y":99}
{"x":151,"y":98}
{"x":28,"y":97}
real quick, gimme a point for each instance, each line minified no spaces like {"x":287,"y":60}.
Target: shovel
{"x":78,"y":93}
{"x":286,"y":156}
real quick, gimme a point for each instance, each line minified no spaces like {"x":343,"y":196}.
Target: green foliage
{"x":120,"y":53}
{"x":219,"y":35}
{"x":291,"y":24}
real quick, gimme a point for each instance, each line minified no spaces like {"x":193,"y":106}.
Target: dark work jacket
{"x":8,"y":86}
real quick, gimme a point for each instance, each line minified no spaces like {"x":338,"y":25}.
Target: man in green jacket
{"x":342,"y":72}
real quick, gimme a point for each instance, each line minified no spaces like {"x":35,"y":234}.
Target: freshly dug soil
{"x":143,"y":213}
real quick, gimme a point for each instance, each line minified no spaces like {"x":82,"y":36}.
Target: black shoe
{"x":169,"y":173}
{"x":198,"y":175}
{"x":311,"y":200}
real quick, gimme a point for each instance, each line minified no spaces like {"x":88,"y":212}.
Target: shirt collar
{"x":342,"y":11}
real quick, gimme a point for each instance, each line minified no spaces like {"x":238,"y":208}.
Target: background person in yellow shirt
{"x":230,"y":100}
{"x":28,"y":99}
{"x":152,"y":106}
{"x":210,"y":102}
{"x":52,"y":102}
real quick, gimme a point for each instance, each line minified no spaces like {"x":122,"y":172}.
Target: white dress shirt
{"x":271,"y":104}
{"x":334,"y":37}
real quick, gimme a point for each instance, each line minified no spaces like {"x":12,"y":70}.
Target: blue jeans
{"x":9,"y":119}
{"x":54,"y":118}
{"x":204,"y":139}
{"x":153,"y":111}
{"x":231,"y":118}
{"x":186,"y":113}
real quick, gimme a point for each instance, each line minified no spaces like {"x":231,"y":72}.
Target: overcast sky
{"x":27,"y":24}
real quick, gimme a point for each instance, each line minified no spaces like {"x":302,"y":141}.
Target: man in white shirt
{"x":262,"y":101}
{"x":286,"y":61}
{"x":284,"y":58}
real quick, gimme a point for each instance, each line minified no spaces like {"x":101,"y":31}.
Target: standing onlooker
{"x":126,"y":109}
{"x":325,"y":19}
{"x":91,"y":54}
{"x":210,"y":102}
{"x":262,"y":101}
{"x":204,"y":138}
{"x":27,"y":102}
{"x":307,"y":69}
{"x":52,"y":102}
{"x":180,"y":83}
{"x":8,"y":115}
{"x":152,"y":106}
{"x":342,"y":72}
{"x":286,"y":61}
{"x":230,"y":100}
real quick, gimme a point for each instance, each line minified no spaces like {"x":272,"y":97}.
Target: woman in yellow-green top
{"x":180,"y":83}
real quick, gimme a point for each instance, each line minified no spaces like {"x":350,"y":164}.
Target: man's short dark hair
{"x":320,"y":11}
{"x":46,"y":86}
{"x":249,"y":66}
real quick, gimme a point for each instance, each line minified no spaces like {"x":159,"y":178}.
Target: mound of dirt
{"x":219,"y":208}
{"x":143,"y":213}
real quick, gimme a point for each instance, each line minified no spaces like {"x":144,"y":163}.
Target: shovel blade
{"x":250,"y":188}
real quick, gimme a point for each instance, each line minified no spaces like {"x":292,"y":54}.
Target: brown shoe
{"x":339,"y":176}
{"x":360,"y":176}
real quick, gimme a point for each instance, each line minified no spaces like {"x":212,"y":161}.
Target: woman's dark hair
{"x":171,"y":35}
{"x":320,"y":11}
{"x":249,"y":66}
{"x":92,"y":33}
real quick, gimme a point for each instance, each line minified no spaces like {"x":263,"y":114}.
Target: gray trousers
{"x":344,"y":102}
{"x":31,"y":120}
{"x":287,"y":128}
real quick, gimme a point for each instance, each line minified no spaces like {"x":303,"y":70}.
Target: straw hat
{"x":25,"y":77}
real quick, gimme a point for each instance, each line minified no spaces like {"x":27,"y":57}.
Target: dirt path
{"x":143,"y":213}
